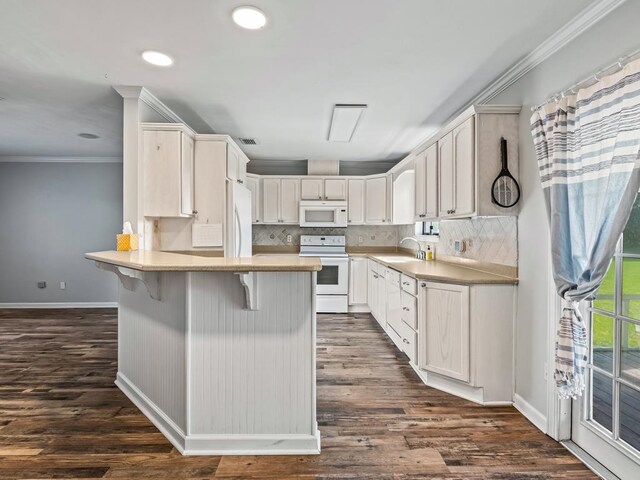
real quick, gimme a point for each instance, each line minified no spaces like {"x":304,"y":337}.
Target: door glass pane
{"x":630,"y":353}
{"x":602,"y":341}
{"x":630,"y":416}
{"x":328,"y":275}
{"x":631,"y":235}
{"x":631,"y":287}
{"x":605,"y":298}
{"x":602,"y":399}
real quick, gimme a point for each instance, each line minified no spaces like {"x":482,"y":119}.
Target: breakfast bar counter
{"x":219,"y":353}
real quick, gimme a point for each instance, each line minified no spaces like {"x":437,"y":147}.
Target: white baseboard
{"x":245,"y":444}
{"x":528,"y":410}
{"x":359,"y":309}
{"x":61,"y":305}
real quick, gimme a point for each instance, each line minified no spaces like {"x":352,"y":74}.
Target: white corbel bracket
{"x":249,"y":281}
{"x":127,"y":276}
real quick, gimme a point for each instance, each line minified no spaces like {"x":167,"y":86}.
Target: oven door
{"x":323,"y":216}
{"x":334,"y":277}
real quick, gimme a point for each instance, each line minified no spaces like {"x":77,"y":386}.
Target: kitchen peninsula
{"x":219,"y":353}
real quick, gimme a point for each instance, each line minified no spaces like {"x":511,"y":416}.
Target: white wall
{"x":615,"y":35}
{"x":51,"y":214}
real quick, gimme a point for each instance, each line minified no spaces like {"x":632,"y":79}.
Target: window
{"x":614,"y":369}
{"x":428,"y":228}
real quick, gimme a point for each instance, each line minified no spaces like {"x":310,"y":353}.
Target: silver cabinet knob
{"x":405,"y":341}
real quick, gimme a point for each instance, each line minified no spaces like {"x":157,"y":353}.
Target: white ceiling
{"x":413,"y":62}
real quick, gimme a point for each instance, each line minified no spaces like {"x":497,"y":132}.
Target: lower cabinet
{"x":358,"y":281}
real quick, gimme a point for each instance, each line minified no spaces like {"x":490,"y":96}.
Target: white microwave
{"x":319,"y":213}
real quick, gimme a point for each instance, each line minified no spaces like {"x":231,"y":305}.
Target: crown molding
{"x":591,"y":15}
{"x":45,"y":159}
{"x":144,"y":95}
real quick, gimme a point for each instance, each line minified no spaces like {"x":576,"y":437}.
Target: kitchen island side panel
{"x":251,"y":372}
{"x":151,"y":343}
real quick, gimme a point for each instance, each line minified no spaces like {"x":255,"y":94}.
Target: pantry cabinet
{"x":356,"y":201}
{"x":280,"y":200}
{"x":358,"y":285}
{"x":376,"y":200}
{"x":168,"y":178}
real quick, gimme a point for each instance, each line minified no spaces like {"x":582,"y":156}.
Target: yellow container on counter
{"x":126,"y":242}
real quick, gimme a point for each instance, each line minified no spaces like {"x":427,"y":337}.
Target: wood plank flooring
{"x":62,"y":417}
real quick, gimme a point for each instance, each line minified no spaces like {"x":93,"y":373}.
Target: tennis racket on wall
{"x":505,"y":191}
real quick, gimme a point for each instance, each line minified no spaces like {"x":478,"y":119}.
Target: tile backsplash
{"x":487,"y":239}
{"x":357,"y":235}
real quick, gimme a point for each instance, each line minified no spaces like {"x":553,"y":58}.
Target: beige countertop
{"x":436,"y":271}
{"x":155,"y":261}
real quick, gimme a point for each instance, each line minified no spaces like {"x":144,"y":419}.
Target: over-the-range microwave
{"x":320,"y":213}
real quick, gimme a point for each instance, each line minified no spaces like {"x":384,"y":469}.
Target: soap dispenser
{"x":429,"y":253}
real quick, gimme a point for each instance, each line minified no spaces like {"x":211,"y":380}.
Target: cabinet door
{"x":356,"y":201}
{"x":358,"y":281}
{"x":393,"y":301}
{"x":242,"y":170}
{"x":376,"y":200}
{"x":446,"y":175}
{"x":289,"y":200}
{"x":270,"y":200}
{"x":233,"y":159}
{"x":253,"y":184}
{"x":431,"y":182}
{"x":444,"y":329}
{"x":419,"y":181}
{"x":311,"y":189}
{"x":464,"y":165}
{"x":335,"y":188}
{"x":186,"y":175}
{"x":162,"y":173}
{"x":403,"y":198}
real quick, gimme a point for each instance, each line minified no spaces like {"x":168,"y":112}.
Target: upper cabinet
{"x":280,"y":200}
{"x":253,"y":184}
{"x":236,"y":164}
{"x":356,"y":201}
{"x":457,"y":171}
{"x":426,"y":184}
{"x":168,"y":171}
{"x":403,"y":198}
{"x":376,"y":208}
{"x":318,"y":188}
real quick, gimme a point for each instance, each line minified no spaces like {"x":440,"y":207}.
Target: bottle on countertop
{"x":429,"y":253}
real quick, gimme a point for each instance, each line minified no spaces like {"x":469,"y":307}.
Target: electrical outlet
{"x":63,"y":285}
{"x":289,"y":238}
{"x":42,"y":284}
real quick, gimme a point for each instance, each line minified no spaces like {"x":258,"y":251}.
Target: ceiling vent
{"x":248,"y":141}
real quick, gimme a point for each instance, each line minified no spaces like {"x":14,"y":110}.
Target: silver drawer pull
{"x":405,"y":341}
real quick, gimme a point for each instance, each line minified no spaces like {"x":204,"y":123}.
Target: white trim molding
{"x":47,"y":159}
{"x":591,"y":15}
{"x":131,"y":91}
{"x":60,"y":305}
{"x":529,"y":411}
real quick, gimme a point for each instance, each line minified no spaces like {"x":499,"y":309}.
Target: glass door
{"x":606,"y":420}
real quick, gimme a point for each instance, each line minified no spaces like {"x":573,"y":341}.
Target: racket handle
{"x":503,"y":152}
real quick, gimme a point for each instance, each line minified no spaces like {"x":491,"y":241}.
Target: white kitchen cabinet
{"x":236,"y":164}
{"x":335,"y":188}
{"x":356,"y":201}
{"x":280,"y":200}
{"x":403,"y":198}
{"x":253,"y":184}
{"x":446,"y":176}
{"x":311,"y":189}
{"x":465,"y":175}
{"x":393,"y":300}
{"x":444,"y":336}
{"x":168,"y":156}
{"x":376,"y":200}
{"x":426,"y":184}
{"x":358,"y":285}
{"x":373,"y":296}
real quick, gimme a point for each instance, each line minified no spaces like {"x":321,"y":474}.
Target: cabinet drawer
{"x":409,"y":284}
{"x":409,"y":310}
{"x":373,"y":266}
{"x":392,"y":276}
{"x":409,"y":342}
{"x":394,"y":336}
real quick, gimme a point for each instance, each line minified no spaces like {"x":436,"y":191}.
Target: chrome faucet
{"x":420,"y":254}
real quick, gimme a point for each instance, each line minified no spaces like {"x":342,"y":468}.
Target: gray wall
{"x":50,"y":215}
{"x":599,"y":46}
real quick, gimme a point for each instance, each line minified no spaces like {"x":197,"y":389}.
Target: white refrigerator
{"x":238,"y":225}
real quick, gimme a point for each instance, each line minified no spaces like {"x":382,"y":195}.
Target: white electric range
{"x":332,"y":288}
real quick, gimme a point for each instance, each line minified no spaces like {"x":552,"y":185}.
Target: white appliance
{"x":238,"y":225}
{"x":320,"y":213}
{"x":332,"y":286}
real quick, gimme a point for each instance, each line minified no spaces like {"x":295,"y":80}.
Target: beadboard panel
{"x":251,"y":372}
{"x":151,"y":343}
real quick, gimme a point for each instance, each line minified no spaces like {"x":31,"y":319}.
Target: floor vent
{"x":247,"y":141}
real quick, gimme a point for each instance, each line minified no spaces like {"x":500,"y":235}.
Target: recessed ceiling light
{"x":157,"y":58}
{"x":248,"y":17}
{"x":90,"y":136}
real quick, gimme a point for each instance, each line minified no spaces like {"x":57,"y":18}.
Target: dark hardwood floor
{"x":62,"y":417}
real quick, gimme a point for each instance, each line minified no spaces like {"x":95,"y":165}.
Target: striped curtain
{"x":588,"y":151}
